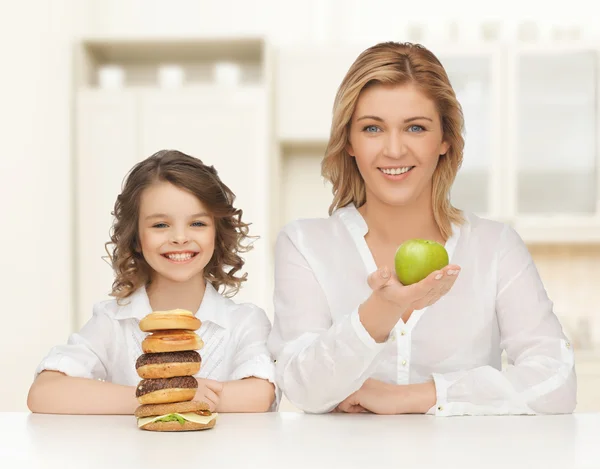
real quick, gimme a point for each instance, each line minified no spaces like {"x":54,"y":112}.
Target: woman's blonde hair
{"x":188,"y":173}
{"x":393,"y":63}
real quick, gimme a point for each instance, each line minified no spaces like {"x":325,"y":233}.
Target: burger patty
{"x":147,"y":386}
{"x":189,"y":356}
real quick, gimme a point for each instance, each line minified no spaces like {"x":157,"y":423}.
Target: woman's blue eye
{"x":159,"y":225}
{"x":417,"y":127}
{"x":371,"y":129}
{"x":198,"y":223}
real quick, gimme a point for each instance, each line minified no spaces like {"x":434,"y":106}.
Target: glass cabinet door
{"x":471,"y":77}
{"x":555,"y":129}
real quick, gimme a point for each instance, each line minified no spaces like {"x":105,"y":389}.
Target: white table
{"x":295,"y":440}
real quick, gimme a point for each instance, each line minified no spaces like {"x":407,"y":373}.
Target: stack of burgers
{"x":167,"y":366}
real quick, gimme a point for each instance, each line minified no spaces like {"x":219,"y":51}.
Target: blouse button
{"x":403,"y":362}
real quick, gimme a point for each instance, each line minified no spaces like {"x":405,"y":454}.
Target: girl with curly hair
{"x":176,"y":242}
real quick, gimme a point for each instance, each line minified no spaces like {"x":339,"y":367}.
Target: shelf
{"x":558,"y":230}
{"x":313,"y":145}
{"x":109,"y":50}
{"x":199,"y":60}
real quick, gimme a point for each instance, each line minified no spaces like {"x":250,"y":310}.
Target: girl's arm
{"x":251,"y":387}
{"x":70,"y":379}
{"x":247,"y":395}
{"x":55,"y":393}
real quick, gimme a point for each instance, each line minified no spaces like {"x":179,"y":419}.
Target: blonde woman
{"x":347,"y":335}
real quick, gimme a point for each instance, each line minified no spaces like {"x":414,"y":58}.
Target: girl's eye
{"x":159,"y":225}
{"x":198,"y":223}
{"x":371,"y":129}
{"x":415,"y":128}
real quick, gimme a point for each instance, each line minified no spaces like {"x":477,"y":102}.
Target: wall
{"x":35,"y":186}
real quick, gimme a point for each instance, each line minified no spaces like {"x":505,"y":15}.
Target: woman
{"x":347,"y":335}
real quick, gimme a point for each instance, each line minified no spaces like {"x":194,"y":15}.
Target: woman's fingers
{"x":418,"y":295}
{"x":433,"y":287}
{"x":379,"y":278}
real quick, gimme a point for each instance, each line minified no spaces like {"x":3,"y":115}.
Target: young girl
{"x":347,"y":334}
{"x":176,"y":239}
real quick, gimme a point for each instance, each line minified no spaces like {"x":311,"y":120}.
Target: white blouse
{"x":108,"y":345}
{"x":323,"y":353}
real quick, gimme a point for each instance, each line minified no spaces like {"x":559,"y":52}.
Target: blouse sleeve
{"x":540,"y":378}
{"x":319,"y":363}
{"x":85,"y":355}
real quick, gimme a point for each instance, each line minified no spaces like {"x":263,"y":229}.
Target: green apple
{"x":415,"y":259}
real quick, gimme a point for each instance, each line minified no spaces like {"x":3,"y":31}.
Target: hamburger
{"x":166,"y":390}
{"x":168,"y":364}
{"x":175,"y":417}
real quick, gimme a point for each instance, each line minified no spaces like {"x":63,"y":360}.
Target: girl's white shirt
{"x":108,"y":345}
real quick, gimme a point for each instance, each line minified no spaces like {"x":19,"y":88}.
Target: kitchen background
{"x":90,"y":87}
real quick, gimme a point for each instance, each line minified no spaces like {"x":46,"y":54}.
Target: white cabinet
{"x":553,"y":133}
{"x":304,"y":193}
{"x":224,"y":127}
{"x":476,"y":79}
{"x":555,"y":130}
{"x":306,"y":81}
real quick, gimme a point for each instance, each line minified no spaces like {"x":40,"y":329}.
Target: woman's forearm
{"x":55,"y":393}
{"x":246,"y":395}
{"x":379,"y":317}
{"x":416,"y":398}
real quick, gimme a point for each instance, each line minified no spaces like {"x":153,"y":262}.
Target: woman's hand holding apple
{"x":392,"y":301}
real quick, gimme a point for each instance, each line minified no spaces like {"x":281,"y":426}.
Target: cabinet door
{"x":304,"y":192}
{"x":105,"y":149}
{"x":474,"y":78}
{"x":306,"y":83}
{"x":555,"y":128}
{"x":227,"y":128}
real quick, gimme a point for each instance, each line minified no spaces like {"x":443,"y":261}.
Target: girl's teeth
{"x":179,"y":257}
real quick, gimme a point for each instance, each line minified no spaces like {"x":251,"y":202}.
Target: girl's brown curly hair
{"x":188,"y":173}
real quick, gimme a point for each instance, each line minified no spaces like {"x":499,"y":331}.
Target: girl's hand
{"x":209,"y":391}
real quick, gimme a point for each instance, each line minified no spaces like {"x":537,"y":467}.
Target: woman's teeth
{"x":396,"y":171}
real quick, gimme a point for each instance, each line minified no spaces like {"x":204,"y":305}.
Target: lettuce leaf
{"x":172,"y":418}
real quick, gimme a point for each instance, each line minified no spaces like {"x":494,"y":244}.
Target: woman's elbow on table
{"x":313,"y":407}
{"x":310,"y":401}
{"x":563,"y":400}
{"x":306,"y":390}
